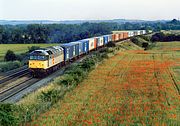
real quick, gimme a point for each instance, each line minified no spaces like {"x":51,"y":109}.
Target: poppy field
{"x":134,"y":87}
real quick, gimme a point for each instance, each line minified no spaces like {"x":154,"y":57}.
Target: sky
{"x":89,"y":9}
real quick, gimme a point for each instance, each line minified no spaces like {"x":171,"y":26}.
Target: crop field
{"x":131,"y":88}
{"x":18,"y":48}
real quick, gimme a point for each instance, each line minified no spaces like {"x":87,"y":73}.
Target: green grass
{"x":18,"y":48}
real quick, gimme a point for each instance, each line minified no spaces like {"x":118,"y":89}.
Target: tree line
{"x":61,"y":33}
{"x":162,"y":37}
{"x":52,"y":33}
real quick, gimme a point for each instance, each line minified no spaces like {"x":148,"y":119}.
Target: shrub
{"x":87,"y":64}
{"x":50,"y":96}
{"x":6,"y":66}
{"x":10,"y":56}
{"x":104,"y":56}
{"x":145,"y":45}
{"x":67,"y":80}
{"x":19,"y":57}
{"x":103,"y":50}
{"x":7,"y":116}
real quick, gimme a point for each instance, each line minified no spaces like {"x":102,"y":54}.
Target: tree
{"x":10,"y":56}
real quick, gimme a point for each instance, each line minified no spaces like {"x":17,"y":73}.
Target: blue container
{"x":85,"y":45}
{"x":80,"y":47}
{"x":71,"y":50}
{"x":105,"y":39}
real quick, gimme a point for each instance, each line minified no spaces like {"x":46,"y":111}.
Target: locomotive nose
{"x":36,"y":64}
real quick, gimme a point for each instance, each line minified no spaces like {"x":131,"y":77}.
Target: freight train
{"x":44,"y":61}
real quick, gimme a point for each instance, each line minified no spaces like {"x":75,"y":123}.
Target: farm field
{"x":18,"y":48}
{"x":134,"y":87}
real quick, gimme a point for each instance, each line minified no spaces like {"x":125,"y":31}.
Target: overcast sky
{"x":89,"y":9}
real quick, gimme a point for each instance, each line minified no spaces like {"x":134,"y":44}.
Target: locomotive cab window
{"x":38,"y":57}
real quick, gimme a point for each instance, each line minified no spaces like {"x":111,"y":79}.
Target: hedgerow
{"x":6,"y":66}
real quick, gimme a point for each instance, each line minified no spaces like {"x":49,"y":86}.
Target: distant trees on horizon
{"x":62,"y":33}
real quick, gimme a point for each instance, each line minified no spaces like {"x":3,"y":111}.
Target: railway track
{"x":15,"y":89}
{"x":14,"y":81}
{"x":12,"y":76}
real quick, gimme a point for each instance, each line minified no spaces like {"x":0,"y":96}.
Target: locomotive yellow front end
{"x":38,"y":62}
{"x":35,"y":64}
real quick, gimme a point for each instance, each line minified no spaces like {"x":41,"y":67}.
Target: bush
{"x":7,"y":116}
{"x":145,"y":45}
{"x":50,"y":96}
{"x":19,"y":57}
{"x":10,"y":56}
{"x":6,"y":66}
{"x":104,"y":56}
{"x":67,"y":80}
{"x":87,"y":64}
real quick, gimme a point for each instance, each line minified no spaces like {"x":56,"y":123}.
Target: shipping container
{"x":99,"y":41}
{"x":139,"y":32}
{"x":116,"y":37}
{"x":143,"y":32}
{"x":95,"y":42}
{"x":125,"y":35}
{"x":110,"y":38}
{"x":80,"y":47}
{"x":71,"y":50}
{"x":105,"y":39}
{"x":121,"y":36}
{"x":85,"y":45}
{"x":135,"y":33}
{"x":91,"y":43}
{"x":130,"y":33}
{"x":113,"y":37}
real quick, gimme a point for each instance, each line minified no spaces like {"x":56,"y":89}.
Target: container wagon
{"x":85,"y":46}
{"x":71,"y":50}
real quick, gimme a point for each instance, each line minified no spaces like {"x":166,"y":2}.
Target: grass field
{"x":132,"y":88}
{"x":18,"y":48}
